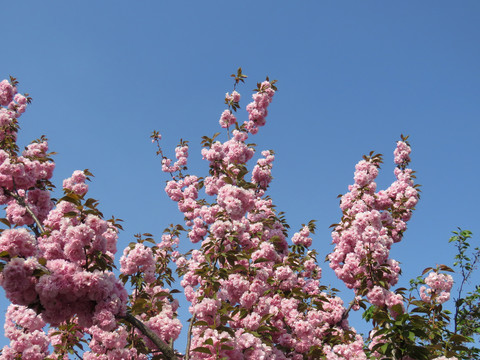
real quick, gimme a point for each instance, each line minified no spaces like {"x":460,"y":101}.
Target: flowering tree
{"x":254,"y":294}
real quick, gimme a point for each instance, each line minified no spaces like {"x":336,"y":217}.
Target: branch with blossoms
{"x":64,"y":271}
{"x":254,"y":291}
{"x":371,"y":223}
{"x":244,"y":268}
{"x":21,"y":201}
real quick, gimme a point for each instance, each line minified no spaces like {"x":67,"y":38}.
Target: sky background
{"x":352,"y":76}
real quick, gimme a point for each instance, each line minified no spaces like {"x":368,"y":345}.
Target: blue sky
{"x":352,"y":77}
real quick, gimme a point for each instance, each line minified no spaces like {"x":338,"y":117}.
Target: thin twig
{"x":76,"y":353}
{"x":21,"y":202}
{"x":464,"y":280}
{"x":189,"y":337}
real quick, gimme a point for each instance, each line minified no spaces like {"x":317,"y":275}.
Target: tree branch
{"x":21,"y":202}
{"x":145,"y":330}
{"x":189,"y":337}
{"x":345,"y":313}
{"x":78,"y":356}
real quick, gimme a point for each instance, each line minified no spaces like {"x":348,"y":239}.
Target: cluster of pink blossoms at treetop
{"x":227,"y":118}
{"x":372,"y":221}
{"x":20,"y":174}
{"x":181,"y":153}
{"x":11,"y":99}
{"x":257,"y":110}
{"x":243,"y":237}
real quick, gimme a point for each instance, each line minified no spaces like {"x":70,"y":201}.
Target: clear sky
{"x":352,"y":76}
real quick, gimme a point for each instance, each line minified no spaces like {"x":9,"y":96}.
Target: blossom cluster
{"x":244,"y":267}
{"x":254,"y":293}
{"x":227,"y":118}
{"x":439,"y":288}
{"x":181,"y":154}
{"x":257,"y":110}
{"x":106,"y":345}
{"x":145,"y":266}
{"x":64,"y":285}
{"x":262,"y":171}
{"x":23,"y":176}
{"x":14,"y":103}
{"x":62,"y":268}
{"x":24,"y":328}
{"x":373,"y":221}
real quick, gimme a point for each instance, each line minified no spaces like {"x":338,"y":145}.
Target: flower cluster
{"x":257,"y":110}
{"x":24,"y":328}
{"x":251,"y":294}
{"x":25,"y":177}
{"x":244,"y":268}
{"x":76,"y":183}
{"x":302,"y":237}
{"x":62,"y":268}
{"x":110,"y":345}
{"x":262,"y":171}
{"x":181,"y":154}
{"x":439,"y":288}
{"x":227,"y":118}
{"x":18,"y":242}
{"x":372,"y":221}
{"x":138,"y":259}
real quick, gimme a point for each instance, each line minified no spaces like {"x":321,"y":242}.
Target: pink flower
{"x":18,"y":281}
{"x":402,"y":153}
{"x":440,"y":286}
{"x":236,"y":201}
{"x":138,"y":259}
{"x":234,"y":97}
{"x":7,"y":91}
{"x":76,"y":183}
{"x":301,"y":238}
{"x":24,"y":328}
{"x":257,"y":110}
{"x":18,"y":242}
{"x":227,"y":118}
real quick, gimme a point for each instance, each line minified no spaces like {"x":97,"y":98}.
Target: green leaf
{"x":456,"y":338}
{"x":200,"y":323}
{"x":426,"y":270}
{"x":203,"y":350}
{"x":70,"y":214}
{"x":445,"y":268}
